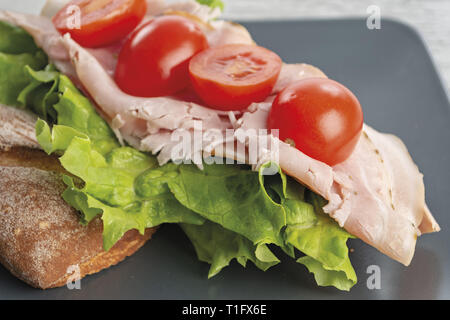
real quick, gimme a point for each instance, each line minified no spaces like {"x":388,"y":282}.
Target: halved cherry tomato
{"x":233,"y":76}
{"x":154,"y":60}
{"x":101,"y":22}
{"x":320,"y":117}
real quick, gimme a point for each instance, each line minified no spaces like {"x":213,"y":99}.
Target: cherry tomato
{"x":233,"y":76}
{"x":188,"y":94}
{"x":155,"y":58}
{"x":320,"y":117}
{"x":101,"y":22}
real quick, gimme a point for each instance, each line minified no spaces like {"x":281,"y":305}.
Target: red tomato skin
{"x":229,"y":98}
{"x":97,"y":30}
{"x":218,"y":92}
{"x":154,"y":60}
{"x":322,"y":117}
{"x":188,"y":94}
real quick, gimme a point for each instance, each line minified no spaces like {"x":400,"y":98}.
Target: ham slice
{"x":295,"y":72}
{"x":377,"y":194}
{"x":383,"y":196}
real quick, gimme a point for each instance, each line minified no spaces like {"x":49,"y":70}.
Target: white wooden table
{"x":430,"y":17}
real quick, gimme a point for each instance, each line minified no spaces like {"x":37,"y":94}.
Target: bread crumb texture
{"x":41,"y":236}
{"x":17,"y":128}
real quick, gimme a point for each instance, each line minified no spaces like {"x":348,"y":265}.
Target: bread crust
{"x":41,"y":238}
{"x":17,"y":128}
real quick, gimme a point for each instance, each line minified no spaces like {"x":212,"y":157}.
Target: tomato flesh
{"x":96,"y":23}
{"x":233,"y":76}
{"x":320,"y":117}
{"x":154,"y":60}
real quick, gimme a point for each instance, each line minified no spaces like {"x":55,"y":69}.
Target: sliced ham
{"x":294,"y":72}
{"x":377,"y":194}
{"x":383,"y":196}
{"x":51,"y":7}
{"x":48,"y":38}
{"x":152,"y":113}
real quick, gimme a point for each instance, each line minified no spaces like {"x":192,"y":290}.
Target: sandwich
{"x":158,"y":113}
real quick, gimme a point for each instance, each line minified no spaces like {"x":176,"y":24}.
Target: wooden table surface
{"x":430,"y":17}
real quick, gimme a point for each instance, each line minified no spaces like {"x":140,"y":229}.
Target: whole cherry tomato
{"x":320,"y":117}
{"x":155,"y":58}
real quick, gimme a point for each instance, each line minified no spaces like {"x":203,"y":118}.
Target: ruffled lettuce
{"x":325,"y":245}
{"x":233,"y":197}
{"x":316,"y":235}
{"x":111,"y":175}
{"x":14,"y":58}
{"x":227,"y":211}
{"x":218,"y":246}
{"x":212,"y":3}
{"x":15,"y":40}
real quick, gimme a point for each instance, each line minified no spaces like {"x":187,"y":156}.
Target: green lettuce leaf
{"x":218,"y":246}
{"x":40,"y":94}
{"x":15,"y":40}
{"x":76,"y":111}
{"x":13,"y":77}
{"x":342,"y":278}
{"x":231,"y":196}
{"x":212,"y":3}
{"x":112,"y":185}
{"x":20,"y":84}
{"x":314,"y":233}
{"x":71,"y":110}
{"x":325,"y":245}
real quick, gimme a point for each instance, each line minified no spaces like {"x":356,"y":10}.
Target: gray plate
{"x":391,"y":72}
